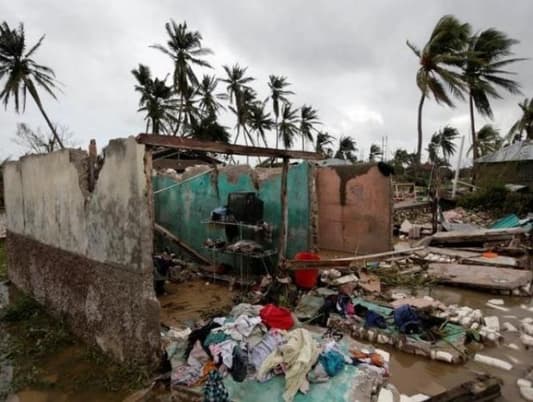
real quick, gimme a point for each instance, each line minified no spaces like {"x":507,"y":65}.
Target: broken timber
{"x":482,"y":277}
{"x":476,"y":258}
{"x":160,"y":229}
{"x":175,"y":142}
{"x":475,"y":236}
{"x":484,"y":388}
{"x":347,"y":261}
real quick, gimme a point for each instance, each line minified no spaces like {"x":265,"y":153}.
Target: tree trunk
{"x":277,"y":132}
{"x":475,"y":150}
{"x":50,"y":125}
{"x":419,"y":146}
{"x":176,"y":131}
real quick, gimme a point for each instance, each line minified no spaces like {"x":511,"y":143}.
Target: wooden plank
{"x":284,"y":228}
{"x":180,"y":243}
{"x":176,"y":142}
{"x":477,"y":276}
{"x":472,"y":257}
{"x":347,"y":261}
{"x":475,"y":236}
{"x":484,"y":388}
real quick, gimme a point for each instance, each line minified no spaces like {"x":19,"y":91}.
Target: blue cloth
{"x":373,"y":319}
{"x":332,"y":361}
{"x":407,"y":320}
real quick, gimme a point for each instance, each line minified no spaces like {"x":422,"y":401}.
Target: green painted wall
{"x":183,"y":208}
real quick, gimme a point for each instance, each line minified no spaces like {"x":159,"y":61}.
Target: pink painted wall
{"x":363,"y":222}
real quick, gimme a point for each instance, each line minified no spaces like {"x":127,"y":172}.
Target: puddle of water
{"x":412,"y":374}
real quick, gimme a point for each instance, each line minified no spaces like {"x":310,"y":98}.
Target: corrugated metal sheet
{"x":519,"y":151}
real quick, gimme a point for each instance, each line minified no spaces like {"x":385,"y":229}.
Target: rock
{"x":527,"y":328}
{"x":527,"y":393}
{"x":507,"y":326}
{"x":513,"y":346}
{"x":522,"y":382}
{"x":492,"y":322}
{"x":526,"y":340}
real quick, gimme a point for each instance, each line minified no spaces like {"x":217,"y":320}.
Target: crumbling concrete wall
{"x":87,"y":255}
{"x":354,"y":209}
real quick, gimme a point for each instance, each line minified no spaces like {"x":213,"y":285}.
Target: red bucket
{"x":306,"y":278}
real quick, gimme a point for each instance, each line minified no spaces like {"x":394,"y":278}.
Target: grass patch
{"x":45,"y":355}
{"x":3,"y":261}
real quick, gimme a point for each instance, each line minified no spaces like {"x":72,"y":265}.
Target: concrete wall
{"x":354,"y":209}
{"x":87,"y":255}
{"x":188,"y":201}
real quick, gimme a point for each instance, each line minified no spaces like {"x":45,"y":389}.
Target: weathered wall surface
{"x":354,"y":208}
{"x":87,"y":256}
{"x":183,"y":207}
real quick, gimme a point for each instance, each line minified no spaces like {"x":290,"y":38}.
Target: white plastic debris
{"x":522,"y":382}
{"x":507,"y":326}
{"x":384,"y":354}
{"x":492,"y":361}
{"x":419,"y":398}
{"x":527,"y":328}
{"x":385,"y":395}
{"x":498,"y":302}
{"x":513,"y":346}
{"x":526,"y":340}
{"x":527,"y":393}
{"x":492,"y":322}
{"x":496,"y":307}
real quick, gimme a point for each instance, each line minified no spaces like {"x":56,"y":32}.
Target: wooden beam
{"x":476,"y":236}
{"x":284,"y":228}
{"x":484,"y":388}
{"x":180,"y":243}
{"x":346,"y":262}
{"x":175,"y":142}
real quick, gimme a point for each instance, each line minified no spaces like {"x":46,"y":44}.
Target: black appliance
{"x":246,"y":207}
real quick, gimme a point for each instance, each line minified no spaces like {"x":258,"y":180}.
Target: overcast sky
{"x":348,"y":59}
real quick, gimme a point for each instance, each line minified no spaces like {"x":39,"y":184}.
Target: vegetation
{"x":347,"y":149}
{"x":442,"y":142}
{"x":524,"y":124}
{"x":375,"y":152}
{"x":497,"y":199}
{"x":23,"y":74}
{"x":483,"y":73}
{"x":323,"y":141}
{"x":488,"y":140}
{"x":443,"y":51}
{"x":40,"y":142}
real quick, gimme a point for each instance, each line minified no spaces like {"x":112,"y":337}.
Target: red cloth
{"x":276,"y":317}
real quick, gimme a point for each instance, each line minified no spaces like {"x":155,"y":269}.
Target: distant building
{"x":510,"y":165}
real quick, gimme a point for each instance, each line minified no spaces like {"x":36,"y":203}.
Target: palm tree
{"x":347,"y":149}
{"x":243,"y":104}
{"x":259,"y":120}
{"x":190,"y":111}
{"x":23,"y":73}
{"x":483,"y":74}
{"x":322,"y":140}
{"x":185,"y":49}
{"x":375,"y":151}
{"x":444,"y":49}
{"x":209,"y":100}
{"x":156,"y":100}
{"x":237,"y":81}
{"x":288,"y":125}
{"x":308,"y":120}
{"x":525,"y":123}
{"x":488,"y":140}
{"x":443,"y":141}
{"x":278,"y":94}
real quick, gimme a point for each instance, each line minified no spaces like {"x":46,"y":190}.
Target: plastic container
{"x":306,"y":278}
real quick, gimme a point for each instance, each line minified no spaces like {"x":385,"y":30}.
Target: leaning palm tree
{"x":236,"y":81}
{"x":22,"y":73}
{"x":322,"y":140}
{"x":347,"y":149}
{"x":209,"y":100}
{"x":444,"y":49}
{"x":488,"y":140}
{"x":483,"y":73}
{"x":288,"y":125}
{"x":443,"y":141}
{"x":156,"y":100}
{"x":525,"y":123}
{"x":278,"y":94}
{"x":245,"y":99}
{"x":185,"y":49}
{"x":260,"y":121}
{"x":308,"y":120}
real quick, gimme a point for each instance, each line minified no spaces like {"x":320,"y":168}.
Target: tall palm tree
{"x":185,"y":49}
{"x":322,"y":140}
{"x":23,"y":73}
{"x":483,"y":73}
{"x":237,"y":81}
{"x":259,"y":120}
{"x":190,"y":111}
{"x":308,"y":120}
{"x":444,"y":49}
{"x":288,"y":125}
{"x":244,"y":101}
{"x":347,"y":149}
{"x":443,"y":141}
{"x":488,"y":140}
{"x":278,"y":94}
{"x":525,"y":123}
{"x":209,"y":100}
{"x":375,"y":151}
{"x":156,"y":100}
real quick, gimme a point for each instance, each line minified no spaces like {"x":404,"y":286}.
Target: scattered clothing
{"x":298,"y":356}
{"x":214,"y":390}
{"x":407,"y":320}
{"x":373,"y":319}
{"x":197,"y":357}
{"x":240,"y":364}
{"x":185,"y":375}
{"x":318,"y":374}
{"x":241,"y":328}
{"x":199,"y":334}
{"x":250,"y":310}
{"x":215,"y":337}
{"x":223,"y":352}
{"x":332,"y":361}
{"x":270,"y":342}
{"x":374,"y":359}
{"x":276,"y":317}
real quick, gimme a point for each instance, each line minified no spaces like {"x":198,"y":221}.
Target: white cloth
{"x":223,"y":352}
{"x":241,"y":328}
